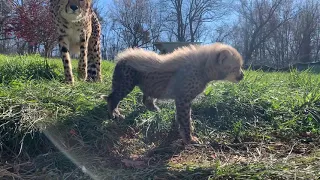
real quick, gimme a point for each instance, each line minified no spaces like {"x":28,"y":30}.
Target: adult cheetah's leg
{"x":94,"y":60}
{"x":183,"y":118}
{"x":149,"y":102}
{"x":66,"y":60}
{"x":123,"y":83}
{"x":83,"y":59}
{"x":94,"y":54}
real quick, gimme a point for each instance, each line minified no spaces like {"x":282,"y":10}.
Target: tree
{"x":306,"y":25}
{"x":258,"y":21}
{"x":5,"y":9}
{"x":31,"y":22}
{"x":135,"y":22}
{"x":188,"y":17}
{"x":277,"y":32}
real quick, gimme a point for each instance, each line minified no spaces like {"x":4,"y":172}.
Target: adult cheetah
{"x":180,"y":75}
{"x":79,"y":31}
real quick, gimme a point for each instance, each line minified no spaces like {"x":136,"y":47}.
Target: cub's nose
{"x":73,"y":7}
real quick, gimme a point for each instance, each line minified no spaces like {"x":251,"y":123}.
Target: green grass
{"x":267,"y":126}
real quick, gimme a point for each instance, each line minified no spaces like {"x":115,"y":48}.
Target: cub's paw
{"x":195,"y":140}
{"x":116,"y":115}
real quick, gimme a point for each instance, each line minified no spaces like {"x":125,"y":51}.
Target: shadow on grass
{"x":83,"y":140}
{"x":92,"y":140}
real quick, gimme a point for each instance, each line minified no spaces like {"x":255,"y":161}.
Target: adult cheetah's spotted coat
{"x":181,"y":76}
{"x":79,"y":31}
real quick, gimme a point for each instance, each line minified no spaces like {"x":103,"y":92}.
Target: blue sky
{"x":103,"y":4}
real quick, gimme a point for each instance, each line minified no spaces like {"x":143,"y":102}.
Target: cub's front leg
{"x":183,"y":118}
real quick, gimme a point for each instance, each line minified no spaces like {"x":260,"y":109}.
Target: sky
{"x":102,"y":4}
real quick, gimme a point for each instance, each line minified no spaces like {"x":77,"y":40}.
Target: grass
{"x":266,"y":127}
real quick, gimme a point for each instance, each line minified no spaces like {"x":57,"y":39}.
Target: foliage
{"x":33,"y":23}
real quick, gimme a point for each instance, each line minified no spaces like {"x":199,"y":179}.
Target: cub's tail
{"x":141,"y":60}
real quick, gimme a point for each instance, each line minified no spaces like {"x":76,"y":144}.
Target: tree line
{"x":266,"y":32}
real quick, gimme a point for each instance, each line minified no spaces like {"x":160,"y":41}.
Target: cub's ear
{"x":223,"y":55}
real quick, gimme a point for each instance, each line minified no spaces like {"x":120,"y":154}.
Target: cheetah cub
{"x":79,"y":31}
{"x":180,"y":75}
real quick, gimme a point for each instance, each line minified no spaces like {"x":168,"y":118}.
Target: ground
{"x":266,"y":127}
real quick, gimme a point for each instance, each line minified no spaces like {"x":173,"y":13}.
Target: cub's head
{"x":225,"y":63}
{"x":76,"y":9}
